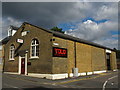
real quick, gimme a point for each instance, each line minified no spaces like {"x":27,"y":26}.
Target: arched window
{"x":12,"y":51}
{"x":35,"y":48}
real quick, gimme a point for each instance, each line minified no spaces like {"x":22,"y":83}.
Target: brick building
{"x":38,"y":52}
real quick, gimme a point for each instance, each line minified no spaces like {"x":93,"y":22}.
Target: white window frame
{"x":35,"y":47}
{"x":11,"y":53}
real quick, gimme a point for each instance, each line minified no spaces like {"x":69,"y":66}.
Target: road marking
{"x":105,"y":83}
{"x":70,"y":81}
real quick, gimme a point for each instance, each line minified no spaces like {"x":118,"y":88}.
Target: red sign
{"x":19,"y":40}
{"x":59,"y":52}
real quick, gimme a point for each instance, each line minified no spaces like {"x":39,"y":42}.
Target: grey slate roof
{"x":5,"y":40}
{"x":13,"y":27}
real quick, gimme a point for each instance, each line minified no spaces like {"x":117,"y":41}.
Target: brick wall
{"x":59,"y":64}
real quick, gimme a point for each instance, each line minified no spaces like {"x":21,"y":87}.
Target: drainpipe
{"x":26,"y":72}
{"x":75,"y":69}
{"x":75,"y":53}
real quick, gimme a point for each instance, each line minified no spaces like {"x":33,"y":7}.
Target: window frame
{"x":35,"y":44}
{"x":12,"y":52}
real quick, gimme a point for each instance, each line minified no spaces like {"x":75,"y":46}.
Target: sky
{"x":93,"y":21}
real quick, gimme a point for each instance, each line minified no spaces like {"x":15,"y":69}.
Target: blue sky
{"x":71,"y":25}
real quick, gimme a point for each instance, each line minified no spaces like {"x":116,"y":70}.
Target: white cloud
{"x":87,"y":30}
{"x":12,"y":21}
{"x":109,"y":26}
{"x":90,"y":30}
{"x":6,"y":23}
{"x":109,"y":42}
{"x":107,"y":11}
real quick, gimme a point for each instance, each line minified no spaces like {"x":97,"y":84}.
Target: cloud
{"x":108,"y":10}
{"x":109,"y":42}
{"x":50,"y":14}
{"x":43,"y":14}
{"x":6,"y":23}
{"x":91,"y":31}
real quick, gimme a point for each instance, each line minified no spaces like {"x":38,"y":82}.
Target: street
{"x":102,"y":81}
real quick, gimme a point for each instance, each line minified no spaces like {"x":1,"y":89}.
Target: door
{"x":22,"y":65}
{"x":108,"y":61}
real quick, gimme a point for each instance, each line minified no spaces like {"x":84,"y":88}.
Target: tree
{"x":57,"y":29}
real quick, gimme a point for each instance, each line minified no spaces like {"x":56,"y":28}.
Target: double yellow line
{"x":87,"y":78}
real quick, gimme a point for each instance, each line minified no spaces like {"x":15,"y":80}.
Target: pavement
{"x":22,"y":82}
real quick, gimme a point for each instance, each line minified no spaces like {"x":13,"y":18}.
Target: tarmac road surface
{"x":105,"y":81}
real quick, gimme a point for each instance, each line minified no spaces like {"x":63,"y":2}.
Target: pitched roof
{"x":65,"y":36}
{"x":5,"y":40}
{"x":13,"y":27}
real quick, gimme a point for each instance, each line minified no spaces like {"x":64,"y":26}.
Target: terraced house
{"x":38,"y":52}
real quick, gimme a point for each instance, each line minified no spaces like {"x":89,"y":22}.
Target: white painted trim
{"x":11,"y":72}
{"x":71,"y":74}
{"x":11,"y":60}
{"x":26,"y":64}
{"x":97,"y":72}
{"x":49,"y":76}
{"x":83,"y":74}
{"x":34,"y":57}
{"x":78,"y":74}
{"x":19,"y":68}
{"x":115,"y":70}
{"x":108,"y":51}
{"x":55,"y":44}
{"x":89,"y":73}
{"x":57,"y":76}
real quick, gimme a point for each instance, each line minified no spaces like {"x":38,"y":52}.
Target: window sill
{"x":34,"y":58}
{"x":11,"y":59}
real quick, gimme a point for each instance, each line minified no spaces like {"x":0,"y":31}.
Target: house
{"x":12,"y":30}
{"x":38,"y":52}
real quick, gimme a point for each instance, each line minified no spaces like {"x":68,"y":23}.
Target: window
{"x":107,"y":56}
{"x":35,"y":48}
{"x":12,"y":50}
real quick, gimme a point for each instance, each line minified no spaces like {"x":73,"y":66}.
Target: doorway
{"x":22,"y":65}
{"x":108,"y":61}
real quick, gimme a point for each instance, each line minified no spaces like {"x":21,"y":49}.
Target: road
{"x":103,"y":82}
